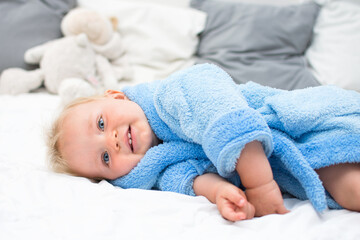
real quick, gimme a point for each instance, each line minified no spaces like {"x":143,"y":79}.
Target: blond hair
{"x":57,"y":162}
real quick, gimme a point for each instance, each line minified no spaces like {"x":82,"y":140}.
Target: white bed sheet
{"x":38,"y":204}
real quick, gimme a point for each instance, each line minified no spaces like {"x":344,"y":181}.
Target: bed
{"x":36,"y":203}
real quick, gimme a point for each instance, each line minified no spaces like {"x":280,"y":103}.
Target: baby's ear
{"x":115,"y":94}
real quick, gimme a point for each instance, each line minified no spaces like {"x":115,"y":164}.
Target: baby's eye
{"x":101,"y":124}
{"x":105,"y":158}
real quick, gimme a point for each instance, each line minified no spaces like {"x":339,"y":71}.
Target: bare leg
{"x":342,"y":181}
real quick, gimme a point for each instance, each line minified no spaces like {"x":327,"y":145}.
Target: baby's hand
{"x":267,"y":199}
{"x":232,"y":203}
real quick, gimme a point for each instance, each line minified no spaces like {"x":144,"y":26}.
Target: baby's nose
{"x":114,"y":140}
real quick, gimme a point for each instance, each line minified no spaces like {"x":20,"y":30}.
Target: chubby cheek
{"x":146,"y":137}
{"x":121,"y":168}
{"x":144,"y":141}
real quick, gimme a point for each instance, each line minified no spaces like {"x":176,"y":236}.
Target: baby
{"x":199,"y":133}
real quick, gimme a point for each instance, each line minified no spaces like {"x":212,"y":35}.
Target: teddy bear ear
{"x":82,"y":40}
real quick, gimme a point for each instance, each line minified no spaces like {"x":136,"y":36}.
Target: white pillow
{"x":334,"y":54}
{"x":159,"y":39}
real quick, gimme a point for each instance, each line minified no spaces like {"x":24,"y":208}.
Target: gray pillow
{"x":25,"y":24}
{"x":260,"y":43}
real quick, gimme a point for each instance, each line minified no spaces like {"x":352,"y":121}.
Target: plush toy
{"x":101,"y":32}
{"x":89,"y":59}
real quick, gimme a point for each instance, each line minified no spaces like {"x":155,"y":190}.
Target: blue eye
{"x":101,"y":124}
{"x":106,"y":158}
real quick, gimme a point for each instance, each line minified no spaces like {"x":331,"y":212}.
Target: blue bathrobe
{"x":204,"y":121}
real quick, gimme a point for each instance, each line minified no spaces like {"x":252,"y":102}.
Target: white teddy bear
{"x":89,"y":59}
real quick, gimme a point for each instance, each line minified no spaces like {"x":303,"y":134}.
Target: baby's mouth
{"x":130,"y":140}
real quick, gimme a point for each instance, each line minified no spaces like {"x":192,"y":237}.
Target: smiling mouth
{"x":130,"y":139}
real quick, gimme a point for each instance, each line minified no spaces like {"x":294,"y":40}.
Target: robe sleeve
{"x":180,"y":177}
{"x":203,"y":105}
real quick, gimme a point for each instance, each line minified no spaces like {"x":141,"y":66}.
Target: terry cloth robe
{"x":204,"y":120}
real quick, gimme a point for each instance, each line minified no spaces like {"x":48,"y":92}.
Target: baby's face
{"x":106,"y":138}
